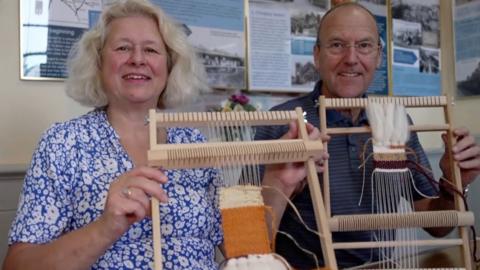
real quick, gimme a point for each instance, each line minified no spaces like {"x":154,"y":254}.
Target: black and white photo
{"x":425,"y":12}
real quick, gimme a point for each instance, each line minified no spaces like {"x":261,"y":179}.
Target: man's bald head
{"x":339,"y":8}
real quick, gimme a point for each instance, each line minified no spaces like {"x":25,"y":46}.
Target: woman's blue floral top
{"x":67,"y":183}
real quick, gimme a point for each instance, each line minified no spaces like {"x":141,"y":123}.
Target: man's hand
{"x":466,"y":152}
{"x":289,"y":177}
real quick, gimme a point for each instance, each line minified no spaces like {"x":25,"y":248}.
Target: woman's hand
{"x":128,"y":199}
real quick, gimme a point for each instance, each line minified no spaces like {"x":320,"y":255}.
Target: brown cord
{"x":438,"y":186}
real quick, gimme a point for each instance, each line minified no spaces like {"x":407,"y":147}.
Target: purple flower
{"x":240,"y":98}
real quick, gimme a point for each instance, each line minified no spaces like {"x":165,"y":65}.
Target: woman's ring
{"x":127,"y":192}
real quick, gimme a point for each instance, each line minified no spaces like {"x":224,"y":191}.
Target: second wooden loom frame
{"x":414,"y":219}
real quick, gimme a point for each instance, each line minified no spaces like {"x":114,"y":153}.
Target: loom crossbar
{"x":454,"y":268}
{"x":426,"y":219}
{"x":196,"y":119}
{"x":376,"y":244}
{"x":343,"y":103}
{"x":415,"y":128}
{"x":198,"y":155}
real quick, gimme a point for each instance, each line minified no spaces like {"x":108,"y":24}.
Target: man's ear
{"x":380,"y":57}
{"x":316,"y":56}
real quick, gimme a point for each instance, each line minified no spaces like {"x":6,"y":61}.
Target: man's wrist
{"x":465,"y":191}
{"x":445,"y":194}
{"x":447,"y":190}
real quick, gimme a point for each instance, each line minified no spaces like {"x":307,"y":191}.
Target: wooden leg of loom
{"x":157,"y":237}
{"x":457,"y":177}
{"x":467,"y":252}
{"x":321,"y":216}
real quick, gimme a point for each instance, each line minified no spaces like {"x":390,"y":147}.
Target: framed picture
{"x":281,"y":38}
{"x":215,"y":28}
{"x":48,"y":29}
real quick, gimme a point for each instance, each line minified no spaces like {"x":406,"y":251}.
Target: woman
{"x":86,"y":195}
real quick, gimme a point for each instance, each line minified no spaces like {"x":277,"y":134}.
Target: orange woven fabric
{"x":245,"y":231}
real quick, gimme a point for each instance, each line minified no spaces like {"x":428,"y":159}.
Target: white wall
{"x":10,"y":187}
{"x":27,"y":108}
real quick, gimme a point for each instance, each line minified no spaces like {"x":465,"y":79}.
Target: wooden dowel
{"x":199,"y":155}
{"x":456,"y":178}
{"x":326,"y":173}
{"x":317,"y":201}
{"x":422,"y":219}
{"x":431,"y":242}
{"x":201,"y":119}
{"x":157,"y":236}
{"x":410,"y":102}
{"x":366,"y":129}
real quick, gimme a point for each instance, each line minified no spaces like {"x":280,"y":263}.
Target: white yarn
{"x":389,"y":124}
{"x":374,"y":114}
{"x":392,"y":186}
{"x":240,"y":196}
{"x":255,"y":262}
{"x":402,"y":125}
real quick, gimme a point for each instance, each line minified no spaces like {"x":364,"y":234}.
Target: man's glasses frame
{"x":339,"y":47}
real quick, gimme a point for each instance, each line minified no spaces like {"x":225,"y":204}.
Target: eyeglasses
{"x":363,"y":48}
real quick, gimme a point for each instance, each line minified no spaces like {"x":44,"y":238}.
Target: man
{"x":346,"y":54}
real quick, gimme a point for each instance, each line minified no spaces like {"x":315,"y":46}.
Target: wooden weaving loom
{"x":459,"y":218}
{"x":213,"y":154}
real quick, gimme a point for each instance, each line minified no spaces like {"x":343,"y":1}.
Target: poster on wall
{"x":48,"y":29}
{"x":416,"y":48}
{"x":379,"y":85}
{"x":467,"y":49}
{"x":281,"y":38}
{"x":216,"y":29}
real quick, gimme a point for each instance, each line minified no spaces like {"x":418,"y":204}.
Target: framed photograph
{"x":416,"y":48}
{"x":48,"y":29}
{"x":215,"y":28}
{"x":281,"y":38}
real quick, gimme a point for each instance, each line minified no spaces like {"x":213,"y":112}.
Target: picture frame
{"x":48,"y":30}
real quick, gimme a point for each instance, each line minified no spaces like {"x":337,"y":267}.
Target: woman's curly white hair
{"x":186,"y":75}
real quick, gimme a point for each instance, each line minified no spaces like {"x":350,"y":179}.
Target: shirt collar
{"x":333,"y":116}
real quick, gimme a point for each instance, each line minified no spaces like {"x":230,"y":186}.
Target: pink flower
{"x":240,"y":98}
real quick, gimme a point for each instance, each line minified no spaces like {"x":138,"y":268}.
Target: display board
{"x":416,"y":47}
{"x":257,"y":45}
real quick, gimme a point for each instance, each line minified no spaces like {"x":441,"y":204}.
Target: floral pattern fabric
{"x":66,"y":188}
